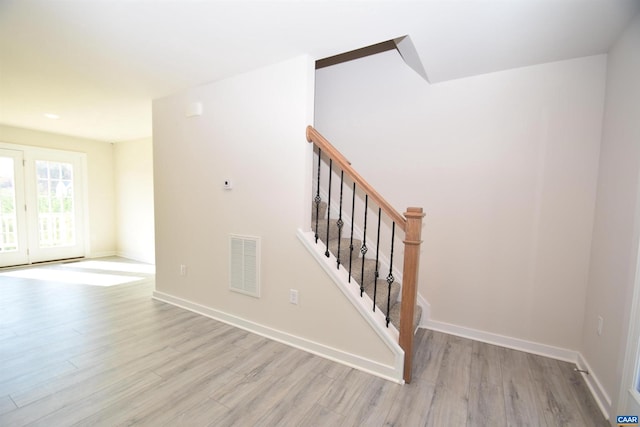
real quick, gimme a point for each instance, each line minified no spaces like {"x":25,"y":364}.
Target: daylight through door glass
{"x":56,"y":220}
{"x":8,"y":220}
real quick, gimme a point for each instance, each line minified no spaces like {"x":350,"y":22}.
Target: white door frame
{"x":629,"y":397}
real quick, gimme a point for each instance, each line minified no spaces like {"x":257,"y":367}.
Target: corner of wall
{"x":595,"y":387}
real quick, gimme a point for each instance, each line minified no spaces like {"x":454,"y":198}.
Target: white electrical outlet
{"x":183,"y":270}
{"x":293,"y":296}
{"x":600,"y":325}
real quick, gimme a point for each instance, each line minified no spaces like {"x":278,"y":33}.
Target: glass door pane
{"x":8,"y":216}
{"x":13,"y":238}
{"x":56,"y":216}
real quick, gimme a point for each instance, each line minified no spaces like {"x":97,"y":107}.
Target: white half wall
{"x":133,"y":163}
{"x":100,"y":180}
{"x":251,"y":131}
{"x":505,"y":166}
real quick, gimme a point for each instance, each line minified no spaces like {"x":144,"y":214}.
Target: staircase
{"x":385,"y":296}
{"x":370,"y":271}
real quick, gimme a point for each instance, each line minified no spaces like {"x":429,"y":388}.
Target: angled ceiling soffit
{"x":403,"y":45}
{"x":410,"y":55}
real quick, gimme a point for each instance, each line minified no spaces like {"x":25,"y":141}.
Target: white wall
{"x":616,"y":229}
{"x":133,"y":164}
{"x":505,"y":167}
{"x":102,"y":237}
{"x":252,"y":131}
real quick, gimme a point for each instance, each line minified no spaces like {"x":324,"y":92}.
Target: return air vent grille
{"x":244,"y":265}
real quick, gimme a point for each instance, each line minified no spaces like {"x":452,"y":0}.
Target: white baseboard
{"x":504,"y":341}
{"x":102,"y":254}
{"x":136,"y":257}
{"x":354,"y":361}
{"x":599,"y":394}
{"x":426,"y":311}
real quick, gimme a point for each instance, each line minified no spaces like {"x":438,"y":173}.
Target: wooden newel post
{"x":412,"y":241}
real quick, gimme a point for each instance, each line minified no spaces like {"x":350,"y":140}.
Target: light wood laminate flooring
{"x":79,"y":355}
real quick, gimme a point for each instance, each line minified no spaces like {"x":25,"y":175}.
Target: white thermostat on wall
{"x":227,"y":185}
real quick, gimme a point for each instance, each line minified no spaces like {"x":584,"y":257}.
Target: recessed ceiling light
{"x":51,"y":116}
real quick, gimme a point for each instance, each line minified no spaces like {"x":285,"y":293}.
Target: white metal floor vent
{"x":244,"y":265}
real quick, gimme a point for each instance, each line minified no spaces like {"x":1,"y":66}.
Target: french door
{"x":41,"y":206}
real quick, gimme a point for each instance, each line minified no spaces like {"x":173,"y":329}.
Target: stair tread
{"x":381,"y":298}
{"x":369,"y":270}
{"x":334,"y":231}
{"x":320,"y":210}
{"x":344,"y":248}
{"x":395,"y":316}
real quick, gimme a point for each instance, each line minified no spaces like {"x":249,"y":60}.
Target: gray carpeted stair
{"x":356,"y":265}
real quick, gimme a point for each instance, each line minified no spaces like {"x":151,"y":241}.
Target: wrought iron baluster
{"x":390,"y":278}
{"x":375,"y":278}
{"x":326,"y":252}
{"x":340,"y":223}
{"x":353,"y":211}
{"x":318,"y":199}
{"x":364,"y":249}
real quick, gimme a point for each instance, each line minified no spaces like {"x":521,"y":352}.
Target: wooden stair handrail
{"x":315,"y":137}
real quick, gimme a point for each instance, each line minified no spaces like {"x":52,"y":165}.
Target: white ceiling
{"x":99,"y":63}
